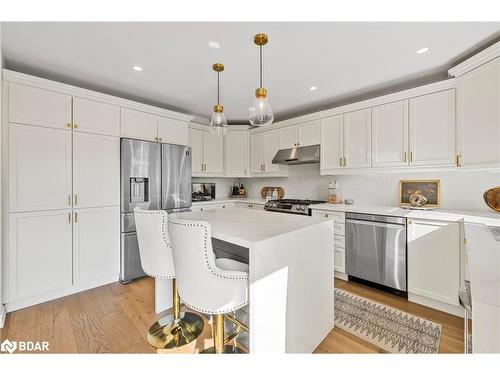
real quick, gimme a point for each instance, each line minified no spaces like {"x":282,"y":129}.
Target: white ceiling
{"x":344,"y":60}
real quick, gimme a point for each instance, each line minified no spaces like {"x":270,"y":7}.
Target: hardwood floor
{"x":115,"y":318}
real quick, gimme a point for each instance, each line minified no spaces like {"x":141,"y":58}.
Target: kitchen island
{"x":291,"y":275}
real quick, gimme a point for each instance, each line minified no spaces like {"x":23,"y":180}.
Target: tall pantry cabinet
{"x":63,"y":175}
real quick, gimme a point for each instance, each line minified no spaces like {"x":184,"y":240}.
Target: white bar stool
{"x":155,"y":251}
{"x":207,"y":285}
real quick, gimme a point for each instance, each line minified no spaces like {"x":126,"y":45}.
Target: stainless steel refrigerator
{"x":153,"y":176}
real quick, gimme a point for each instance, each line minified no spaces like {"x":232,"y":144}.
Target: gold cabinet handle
{"x":68,"y":125}
{"x":76,"y":217}
{"x":69,"y":217}
{"x":76,"y":199}
{"x":75,"y":126}
{"x":459,"y":160}
{"x":405,"y":156}
{"x":345,"y":161}
{"x":69,"y":200}
{"x":206,"y":167}
{"x":159,"y":139}
{"x":156,"y":138}
{"x":411,"y":157}
{"x":340,"y":162}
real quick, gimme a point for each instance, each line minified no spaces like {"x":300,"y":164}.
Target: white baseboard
{"x":341,"y":276}
{"x":3,"y":314}
{"x":437,"y":305}
{"x":30,"y":301}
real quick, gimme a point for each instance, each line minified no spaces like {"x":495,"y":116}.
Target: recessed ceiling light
{"x":213,"y":44}
{"x":138,"y":68}
{"x":422,"y":50}
{"x":313,"y":88}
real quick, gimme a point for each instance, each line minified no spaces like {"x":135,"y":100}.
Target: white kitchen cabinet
{"x":433,"y":262}
{"x":90,"y":116}
{"x":39,"y":168}
{"x":305,"y":134}
{"x":252,"y":206}
{"x":357,"y":139}
{"x":96,"y":243}
{"x":432,"y":129}
{"x":390,"y":135}
{"x":39,"y":256}
{"x":263,"y":149}
{"x":236,"y":156}
{"x":213,"y":154}
{"x":35,"y":106}
{"x":138,"y":125}
{"x":332,"y":142}
{"x":96,"y":170}
{"x":173,"y":131}
{"x":478,"y":110}
{"x":207,"y":153}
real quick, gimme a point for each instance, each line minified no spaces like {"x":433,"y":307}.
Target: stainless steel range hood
{"x":297,"y":155}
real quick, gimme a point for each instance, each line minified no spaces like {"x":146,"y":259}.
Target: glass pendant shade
{"x":260,"y":112}
{"x":218,"y":124}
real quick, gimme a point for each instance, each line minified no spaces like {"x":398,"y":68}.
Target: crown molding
{"x":478,"y":59}
{"x":33,"y":81}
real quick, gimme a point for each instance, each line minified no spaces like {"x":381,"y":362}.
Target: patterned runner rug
{"x":392,"y":330}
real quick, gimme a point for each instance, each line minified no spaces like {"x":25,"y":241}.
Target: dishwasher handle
{"x":376,"y":224}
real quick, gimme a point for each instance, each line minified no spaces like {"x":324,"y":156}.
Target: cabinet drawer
{"x":339,"y":229}
{"x":339,"y":261}
{"x":338,"y":217}
{"x":339,"y":241}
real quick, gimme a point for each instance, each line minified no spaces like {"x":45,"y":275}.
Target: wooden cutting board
{"x":492,"y":198}
{"x":281,"y":191}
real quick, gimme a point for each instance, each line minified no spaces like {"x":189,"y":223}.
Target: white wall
{"x":459,"y":189}
{"x":1,"y":66}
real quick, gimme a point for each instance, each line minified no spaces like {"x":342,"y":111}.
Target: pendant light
{"x":218,"y":123}
{"x":260,"y":112}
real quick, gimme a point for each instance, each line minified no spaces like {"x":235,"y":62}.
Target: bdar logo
{"x":8,"y":346}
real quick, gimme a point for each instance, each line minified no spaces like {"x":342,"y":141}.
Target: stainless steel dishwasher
{"x":376,"y":250}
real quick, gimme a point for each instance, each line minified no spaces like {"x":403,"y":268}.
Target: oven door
{"x":376,"y":252}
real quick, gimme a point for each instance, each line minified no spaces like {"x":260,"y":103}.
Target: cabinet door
{"x":432,"y":129}
{"x":96,"y":170}
{"x":308,"y":133}
{"x":236,"y":154}
{"x":39,"y":254}
{"x":138,"y":125}
{"x":434,"y":260}
{"x":357,"y":139}
{"x":39,"y":168}
{"x":390,"y":134}
{"x":332,"y":144}
{"x":173,"y":131}
{"x":33,"y":106}
{"x":96,"y":243}
{"x":478,"y":108}
{"x":90,"y":116}
{"x":256,"y":152}
{"x":213,"y":153}
{"x":196,"y":144}
{"x":287,"y":137}
{"x":271,"y":146}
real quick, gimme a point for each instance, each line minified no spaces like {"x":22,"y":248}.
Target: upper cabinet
{"x":173,"y":131}
{"x":432,"y":129}
{"x":390,"y":134}
{"x":305,"y":134}
{"x":138,"y":125}
{"x":263,"y":148}
{"x":236,"y":157}
{"x":149,"y":127}
{"x":478,"y":109}
{"x":90,"y":116}
{"x":33,"y":106}
{"x":357,"y":139}
{"x":207,"y":153}
{"x":332,"y":142}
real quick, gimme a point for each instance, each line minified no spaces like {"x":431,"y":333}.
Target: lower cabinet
{"x":56,"y":253}
{"x":39,"y":259}
{"x":434,"y":263}
{"x":96,"y":243}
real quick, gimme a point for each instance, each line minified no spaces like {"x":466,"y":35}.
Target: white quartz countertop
{"x":231,"y":200}
{"x":479,"y":217}
{"x":245,"y":227}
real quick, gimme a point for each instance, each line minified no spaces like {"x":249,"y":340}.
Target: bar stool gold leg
{"x":219,"y":347}
{"x":175,"y":330}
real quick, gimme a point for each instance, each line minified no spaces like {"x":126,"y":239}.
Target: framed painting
{"x":422,"y":194}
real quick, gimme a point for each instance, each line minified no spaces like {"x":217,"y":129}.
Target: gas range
{"x":291,"y":206}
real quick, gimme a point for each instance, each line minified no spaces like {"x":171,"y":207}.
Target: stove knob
{"x":303,"y":208}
